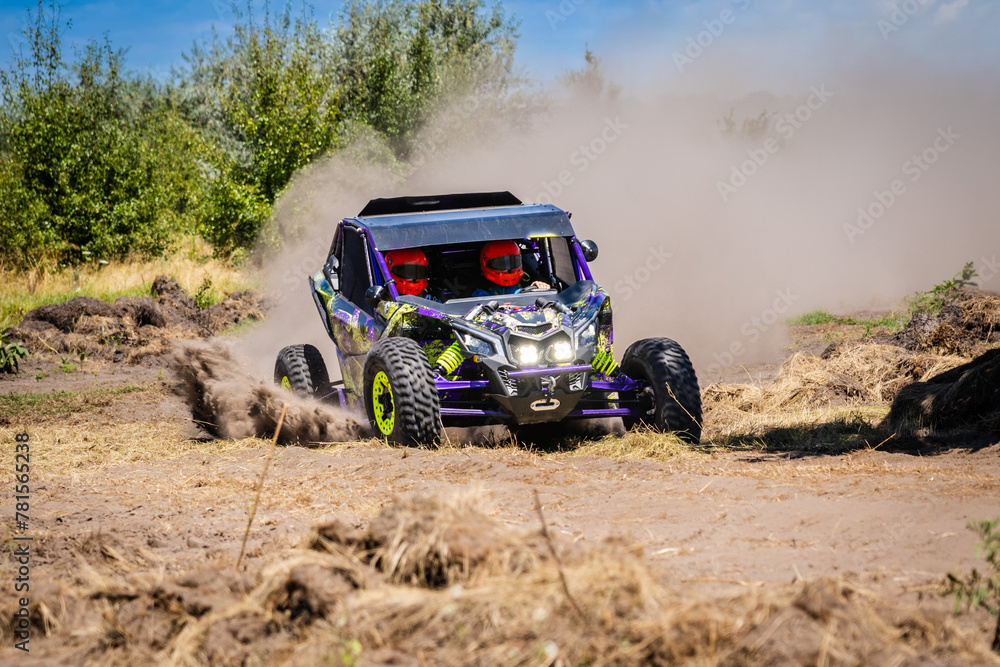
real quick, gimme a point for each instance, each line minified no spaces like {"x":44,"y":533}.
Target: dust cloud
{"x":227,"y":403}
{"x":871,"y":178}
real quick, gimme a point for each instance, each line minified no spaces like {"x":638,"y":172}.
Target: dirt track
{"x":732,"y":519}
{"x":123,"y":490}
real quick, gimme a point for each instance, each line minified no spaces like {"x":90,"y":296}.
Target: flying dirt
{"x":228,"y":403}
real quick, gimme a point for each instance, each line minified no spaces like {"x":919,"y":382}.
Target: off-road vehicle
{"x":416,"y":364}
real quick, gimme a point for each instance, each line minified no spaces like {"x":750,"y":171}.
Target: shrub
{"x":932,"y":302}
{"x":95,"y":163}
{"x":815,"y":317}
{"x":396,"y":58}
{"x":10,"y":354}
{"x":976,"y":590}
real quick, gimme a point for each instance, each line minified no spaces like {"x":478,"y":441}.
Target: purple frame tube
{"x":533,"y":372}
{"x":341,"y":398}
{"x":450,"y":385}
{"x":581,"y":263}
{"x":604,"y":412}
{"x":622,"y":383}
{"x":471,"y":412}
{"x":382,"y":266}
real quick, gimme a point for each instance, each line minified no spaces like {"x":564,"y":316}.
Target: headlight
{"x":585,"y":338}
{"x":477,"y":346}
{"x":561,"y":351}
{"x":527,"y":354}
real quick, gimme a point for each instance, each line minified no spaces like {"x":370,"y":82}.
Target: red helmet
{"x":408,"y":267}
{"x":501,"y":263}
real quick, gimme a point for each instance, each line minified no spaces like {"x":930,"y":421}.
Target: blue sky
{"x":766,"y":42}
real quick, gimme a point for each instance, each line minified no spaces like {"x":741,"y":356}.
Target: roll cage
{"x":356,"y":263}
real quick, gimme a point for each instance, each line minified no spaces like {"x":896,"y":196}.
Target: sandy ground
{"x":896,"y":518}
{"x":166,"y":500}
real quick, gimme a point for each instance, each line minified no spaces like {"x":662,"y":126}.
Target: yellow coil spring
{"x":450,"y":359}
{"x":604,"y":362}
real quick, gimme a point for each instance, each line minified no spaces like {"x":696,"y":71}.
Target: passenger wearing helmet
{"x":500,"y":262}
{"x":408,"y":267}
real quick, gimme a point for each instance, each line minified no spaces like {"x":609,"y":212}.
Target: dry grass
{"x":818,"y":405}
{"x":342,"y":602}
{"x":22,"y":291}
{"x":866,"y":374}
{"x":440,"y":580}
{"x":88,"y":448}
{"x":822,"y":431}
{"x":641,"y":444}
{"x":25,"y":410}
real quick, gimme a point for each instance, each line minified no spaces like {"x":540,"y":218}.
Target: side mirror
{"x":376,"y":294}
{"x":589,"y":250}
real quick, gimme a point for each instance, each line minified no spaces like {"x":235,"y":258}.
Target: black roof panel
{"x":411,"y":230}
{"x":394,"y":205}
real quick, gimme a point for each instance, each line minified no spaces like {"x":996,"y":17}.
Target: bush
{"x":95,"y":164}
{"x":977,"y":589}
{"x":931,"y":303}
{"x":396,"y":58}
{"x":10,"y":354}
{"x":590,"y":84}
{"x":815,"y":317}
{"x":25,"y":228}
{"x":98,"y":163}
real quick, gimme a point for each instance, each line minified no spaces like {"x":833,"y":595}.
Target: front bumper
{"x":536,"y":395}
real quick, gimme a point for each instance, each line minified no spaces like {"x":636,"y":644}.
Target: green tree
{"x":396,"y":58}
{"x":96,"y":161}
{"x":280,"y":92}
{"x":268,"y":100}
{"x":95,"y":164}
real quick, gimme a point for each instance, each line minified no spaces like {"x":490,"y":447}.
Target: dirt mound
{"x":435,"y":543}
{"x":966,"y":397}
{"x":131,"y":328}
{"x":968,"y":323}
{"x":865,"y":374}
{"x":334,"y":597}
{"x":228,"y":403}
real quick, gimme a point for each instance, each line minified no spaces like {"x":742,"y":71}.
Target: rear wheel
{"x":670,"y":399}
{"x":300,"y":369}
{"x":400,"y":396}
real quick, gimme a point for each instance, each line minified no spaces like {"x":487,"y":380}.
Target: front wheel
{"x":670,"y":399}
{"x":400,"y":396}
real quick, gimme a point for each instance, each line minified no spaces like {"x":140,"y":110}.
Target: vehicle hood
{"x":533,"y":314}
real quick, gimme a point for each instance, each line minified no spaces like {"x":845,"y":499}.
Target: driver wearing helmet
{"x":408,"y":267}
{"x":500,"y":262}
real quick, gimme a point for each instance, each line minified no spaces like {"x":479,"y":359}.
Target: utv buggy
{"x":414,"y":365}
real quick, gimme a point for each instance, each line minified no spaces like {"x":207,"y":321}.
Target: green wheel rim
{"x":382,"y":403}
{"x":286,"y":383}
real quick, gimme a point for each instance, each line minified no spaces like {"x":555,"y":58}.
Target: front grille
{"x":534,"y":329}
